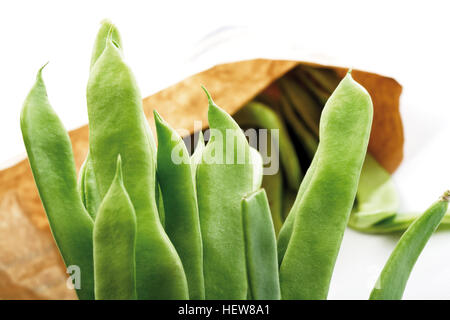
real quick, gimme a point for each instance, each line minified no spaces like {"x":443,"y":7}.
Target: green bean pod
{"x":324,"y":78}
{"x":117,"y":125}
{"x":107,"y":29}
{"x":302,"y":101}
{"x":88,"y":189}
{"x":376,"y":196}
{"x":160,"y":204}
{"x":261,"y":247}
{"x":322,"y":214}
{"x":182,"y":224}
{"x":258,"y":115}
{"x":392,"y":281}
{"x":307,"y":139}
{"x":377,"y":203}
{"x":114,"y":244}
{"x":222,"y":182}
{"x":313,"y":86}
{"x":52,"y":164}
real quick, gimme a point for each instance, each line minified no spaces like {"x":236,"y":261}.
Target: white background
{"x":165,"y":41}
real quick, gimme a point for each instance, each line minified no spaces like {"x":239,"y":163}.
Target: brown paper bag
{"x":30,"y":265}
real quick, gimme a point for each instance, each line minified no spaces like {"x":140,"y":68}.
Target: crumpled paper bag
{"x":30,"y":265}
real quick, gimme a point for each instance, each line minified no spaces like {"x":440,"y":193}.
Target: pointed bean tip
{"x":157,"y":116}
{"x":208,"y":95}
{"x":39,"y":74}
{"x":212,"y":106}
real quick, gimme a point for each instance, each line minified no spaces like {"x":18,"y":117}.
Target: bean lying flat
{"x":326,"y":204}
{"x":376,"y":196}
{"x":114,"y":244}
{"x":261,"y":248}
{"x":52,"y":163}
{"x":392,"y":281}
{"x":117,"y":125}
{"x":221,"y":185}
{"x":182,"y":224}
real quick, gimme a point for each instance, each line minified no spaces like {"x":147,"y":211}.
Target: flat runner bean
{"x":326,"y":204}
{"x":392,"y":281}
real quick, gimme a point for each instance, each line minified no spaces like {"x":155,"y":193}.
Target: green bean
{"x":258,"y":115}
{"x":221,"y":184}
{"x":106,"y":29}
{"x":303,"y":103}
{"x":114,"y":244}
{"x":117,"y":125}
{"x":52,"y":163}
{"x":309,"y":82}
{"x":326,"y":204}
{"x":325,"y":78}
{"x":392,"y":281}
{"x":377,"y":203}
{"x":180,"y":204}
{"x":87,"y":185}
{"x":307,"y":139}
{"x":261,"y":247}
{"x":88,"y":189}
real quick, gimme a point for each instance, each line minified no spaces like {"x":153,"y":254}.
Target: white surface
{"x":163,"y":44}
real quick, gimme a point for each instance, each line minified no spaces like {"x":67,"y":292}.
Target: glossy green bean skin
{"x":220,"y":189}
{"x":114,"y":244}
{"x":323,"y":212}
{"x":88,"y":189}
{"x":261,"y":247}
{"x":117,"y":125}
{"x":392,"y":281}
{"x":182,"y":224}
{"x":51,"y":159}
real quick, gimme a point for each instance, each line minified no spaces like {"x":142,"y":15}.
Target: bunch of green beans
{"x":158,"y":223}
